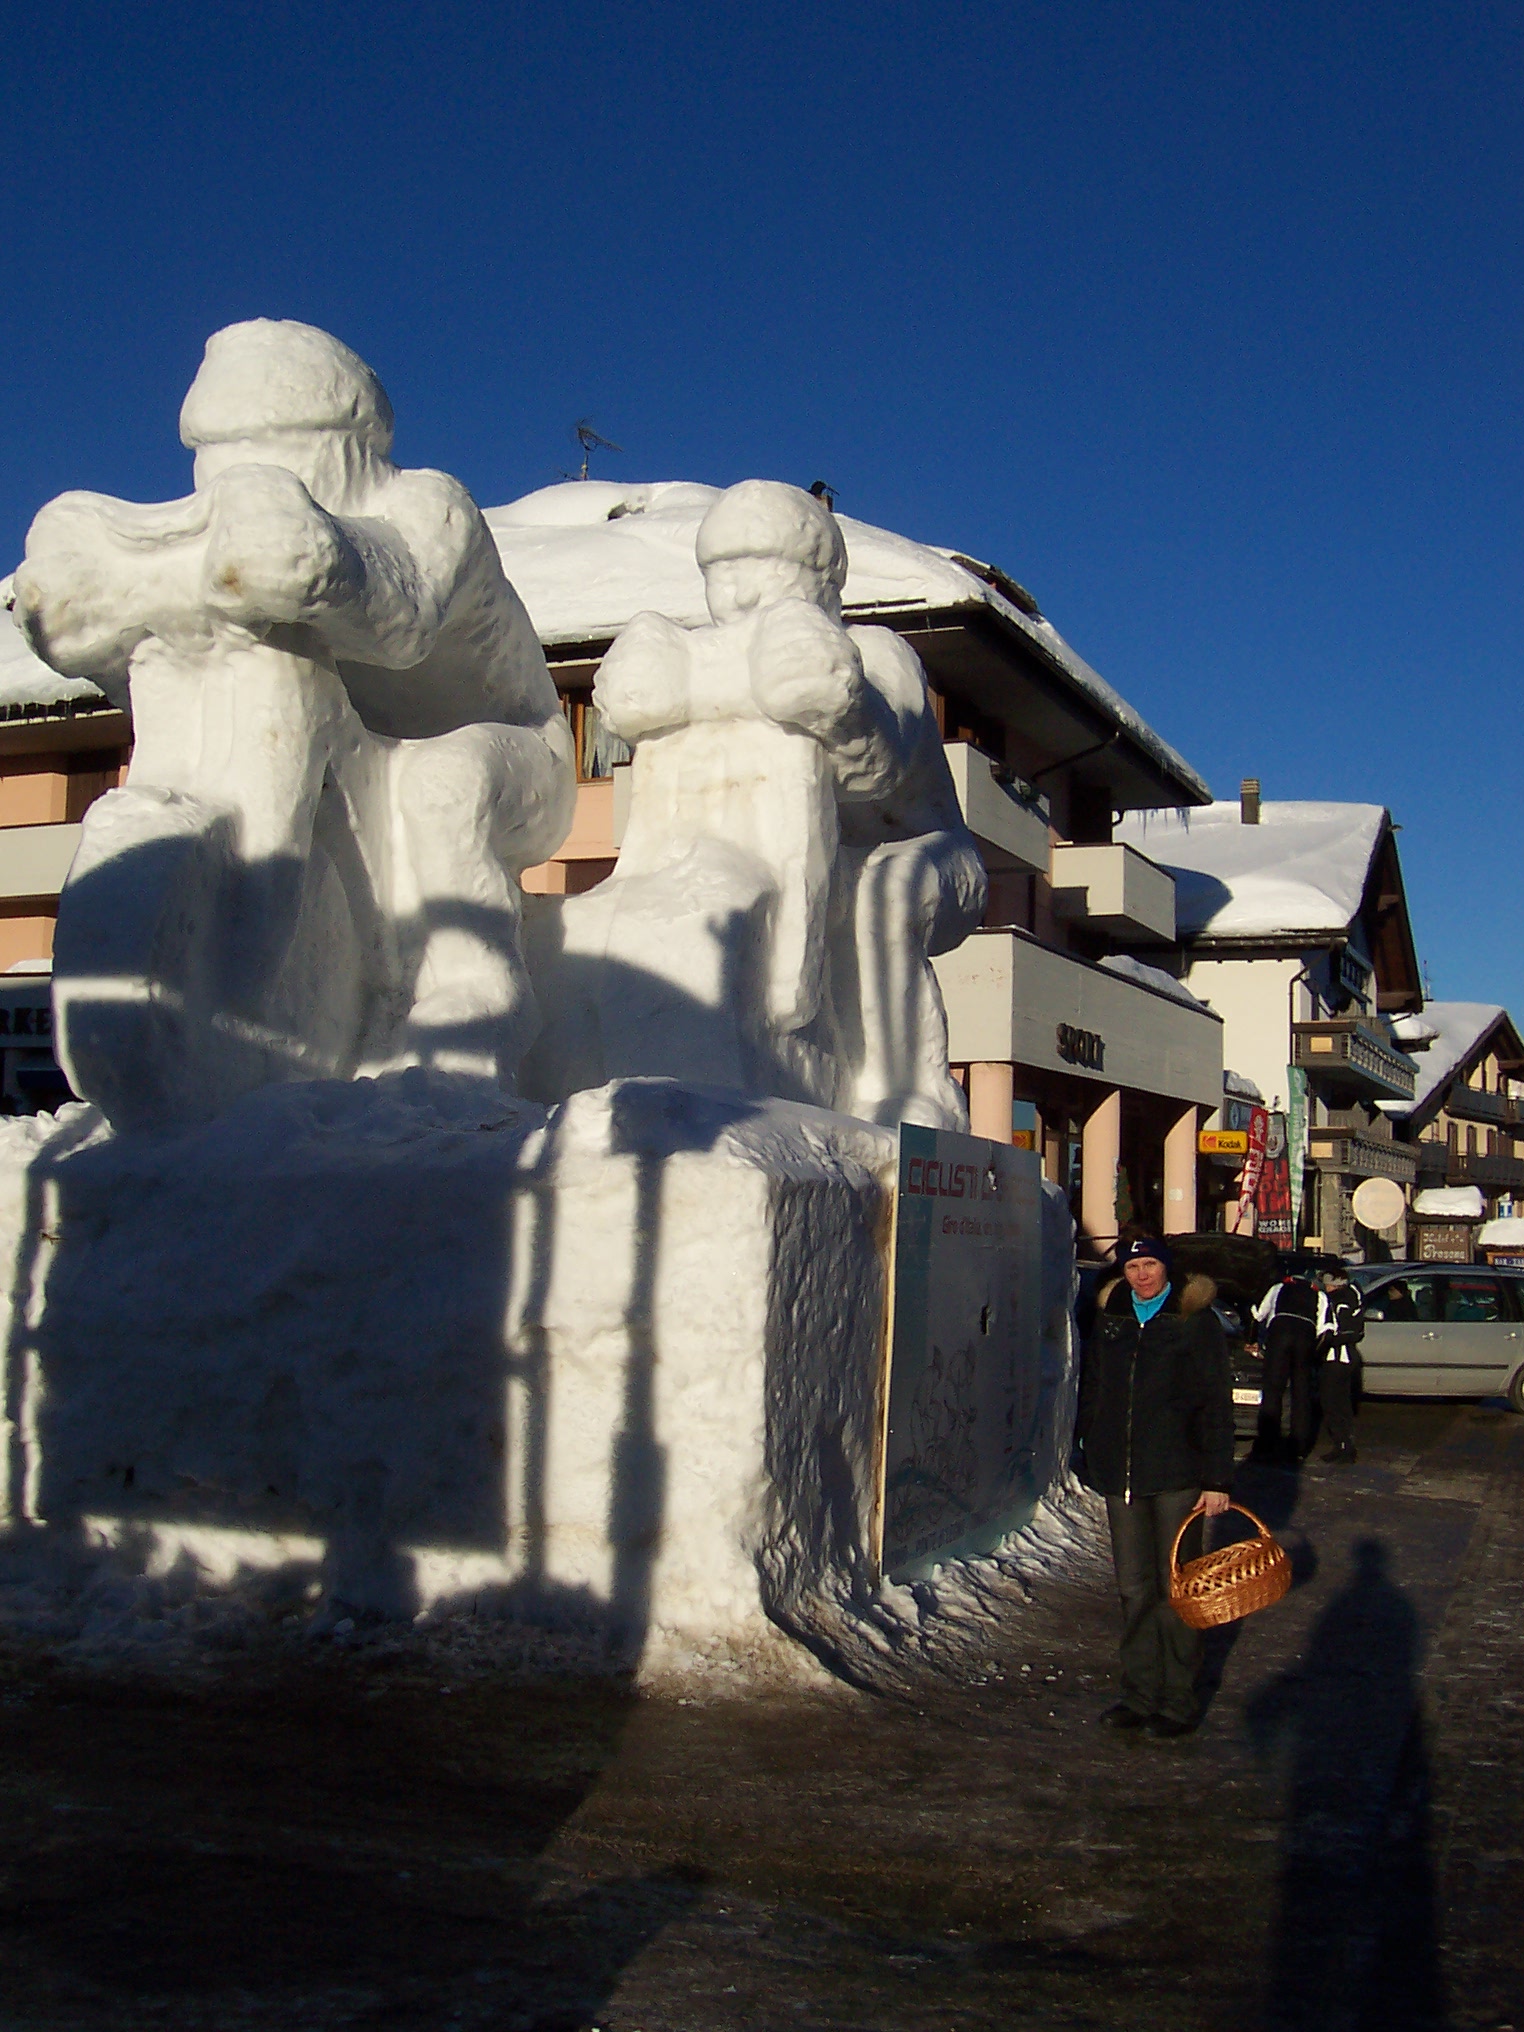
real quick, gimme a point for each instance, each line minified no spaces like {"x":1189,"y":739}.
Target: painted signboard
{"x":964,"y":1387}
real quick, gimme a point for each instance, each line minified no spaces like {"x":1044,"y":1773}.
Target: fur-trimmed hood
{"x":1195,"y":1295}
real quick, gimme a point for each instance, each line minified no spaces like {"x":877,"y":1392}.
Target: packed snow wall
{"x":407,"y":1346}
{"x":418,"y":1343}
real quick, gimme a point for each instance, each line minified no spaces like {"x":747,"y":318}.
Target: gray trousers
{"x":1160,"y":1656}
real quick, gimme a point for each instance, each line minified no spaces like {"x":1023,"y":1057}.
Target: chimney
{"x":1248,"y":800}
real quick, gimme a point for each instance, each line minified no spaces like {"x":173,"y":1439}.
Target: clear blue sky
{"x":1204,"y":321}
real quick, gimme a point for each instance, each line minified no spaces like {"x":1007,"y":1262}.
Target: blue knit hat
{"x":1149,"y":1245}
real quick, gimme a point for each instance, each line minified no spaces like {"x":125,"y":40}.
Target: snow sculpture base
{"x":418,"y":1345}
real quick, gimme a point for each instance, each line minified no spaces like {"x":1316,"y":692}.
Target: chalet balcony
{"x":1470,"y":1104}
{"x":1343,"y":1056}
{"x":1353,"y":1154}
{"x":1481,"y":1169}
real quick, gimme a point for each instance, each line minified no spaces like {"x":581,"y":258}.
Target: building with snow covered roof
{"x":1292,"y":922}
{"x":1465,"y":1121}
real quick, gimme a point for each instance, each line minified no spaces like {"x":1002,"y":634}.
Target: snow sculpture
{"x":794,"y":851}
{"x":347,"y":745}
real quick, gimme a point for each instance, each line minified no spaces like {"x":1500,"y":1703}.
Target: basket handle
{"x":1190,"y":1517}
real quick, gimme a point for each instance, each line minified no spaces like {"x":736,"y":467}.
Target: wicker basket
{"x":1234,"y":1581}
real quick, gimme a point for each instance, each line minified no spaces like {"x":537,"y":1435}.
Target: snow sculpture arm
{"x":800,"y":669}
{"x":375,"y":590}
{"x":807,"y":673}
{"x":101,"y":575}
{"x":644,"y":683}
{"x":256,"y":551}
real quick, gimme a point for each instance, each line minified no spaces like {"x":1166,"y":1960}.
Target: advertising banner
{"x":964,"y":1386}
{"x":1248,"y":1182}
{"x":1272,"y":1202}
{"x":1296,"y":1139}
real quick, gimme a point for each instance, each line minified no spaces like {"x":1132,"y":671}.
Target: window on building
{"x":959,"y":719}
{"x":599,"y":752}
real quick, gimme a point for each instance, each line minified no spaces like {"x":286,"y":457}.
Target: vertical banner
{"x":964,"y":1387}
{"x":1272,"y":1202}
{"x":1296,"y":1140}
{"x":1248,"y":1178}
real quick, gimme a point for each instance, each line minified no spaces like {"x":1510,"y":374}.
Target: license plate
{"x":1246,"y":1396}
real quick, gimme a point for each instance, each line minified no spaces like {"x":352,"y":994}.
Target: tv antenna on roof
{"x":591,"y":441}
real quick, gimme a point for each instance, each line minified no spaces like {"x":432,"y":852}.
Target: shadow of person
{"x":1355,"y":1943}
{"x":1273,"y":1498}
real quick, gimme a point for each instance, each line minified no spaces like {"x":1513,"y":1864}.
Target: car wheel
{"x":1516,"y":1392}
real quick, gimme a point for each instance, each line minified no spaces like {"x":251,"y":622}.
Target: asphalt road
{"x":316,"y":1838}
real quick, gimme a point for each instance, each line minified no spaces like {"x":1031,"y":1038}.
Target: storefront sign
{"x":1082,"y":1047}
{"x":1440,"y":1241}
{"x":20,"y":1021}
{"x":965,"y":1393}
{"x":1223,"y":1142}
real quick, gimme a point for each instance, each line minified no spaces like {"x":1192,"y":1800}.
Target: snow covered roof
{"x":586,"y":555}
{"x":1241,"y":1087}
{"x":1303,"y":868}
{"x":1458,"y":1028}
{"x":25,"y":680}
{"x":1155,"y":978}
{"x":1454,"y":1202}
{"x":1507,"y":1233}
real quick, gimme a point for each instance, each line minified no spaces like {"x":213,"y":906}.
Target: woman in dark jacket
{"x":1155,"y":1437}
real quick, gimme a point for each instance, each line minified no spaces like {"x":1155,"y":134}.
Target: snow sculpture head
{"x":346,"y":746}
{"x":273,"y":392}
{"x":764,"y":541}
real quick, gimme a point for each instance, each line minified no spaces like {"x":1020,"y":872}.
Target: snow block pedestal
{"x":410,"y":1346}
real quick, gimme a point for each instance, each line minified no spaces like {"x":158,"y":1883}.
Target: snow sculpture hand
{"x":643,"y":684}
{"x":806,"y":672}
{"x":272,"y":554}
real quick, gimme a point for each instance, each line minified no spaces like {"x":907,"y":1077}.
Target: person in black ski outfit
{"x":1290,"y":1314}
{"x":1154,"y":1436}
{"x":1339,"y":1380}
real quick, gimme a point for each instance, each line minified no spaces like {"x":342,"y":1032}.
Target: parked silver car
{"x":1442,"y":1330}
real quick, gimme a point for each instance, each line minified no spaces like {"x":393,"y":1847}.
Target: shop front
{"x":1107,"y":1072}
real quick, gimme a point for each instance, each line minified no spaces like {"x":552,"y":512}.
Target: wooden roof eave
{"x":1389,"y":929}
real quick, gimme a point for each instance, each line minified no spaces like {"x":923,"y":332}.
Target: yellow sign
{"x":1223,"y":1142}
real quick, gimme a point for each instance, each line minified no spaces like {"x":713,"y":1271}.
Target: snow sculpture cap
{"x":272,"y":375}
{"x":768,"y":518}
